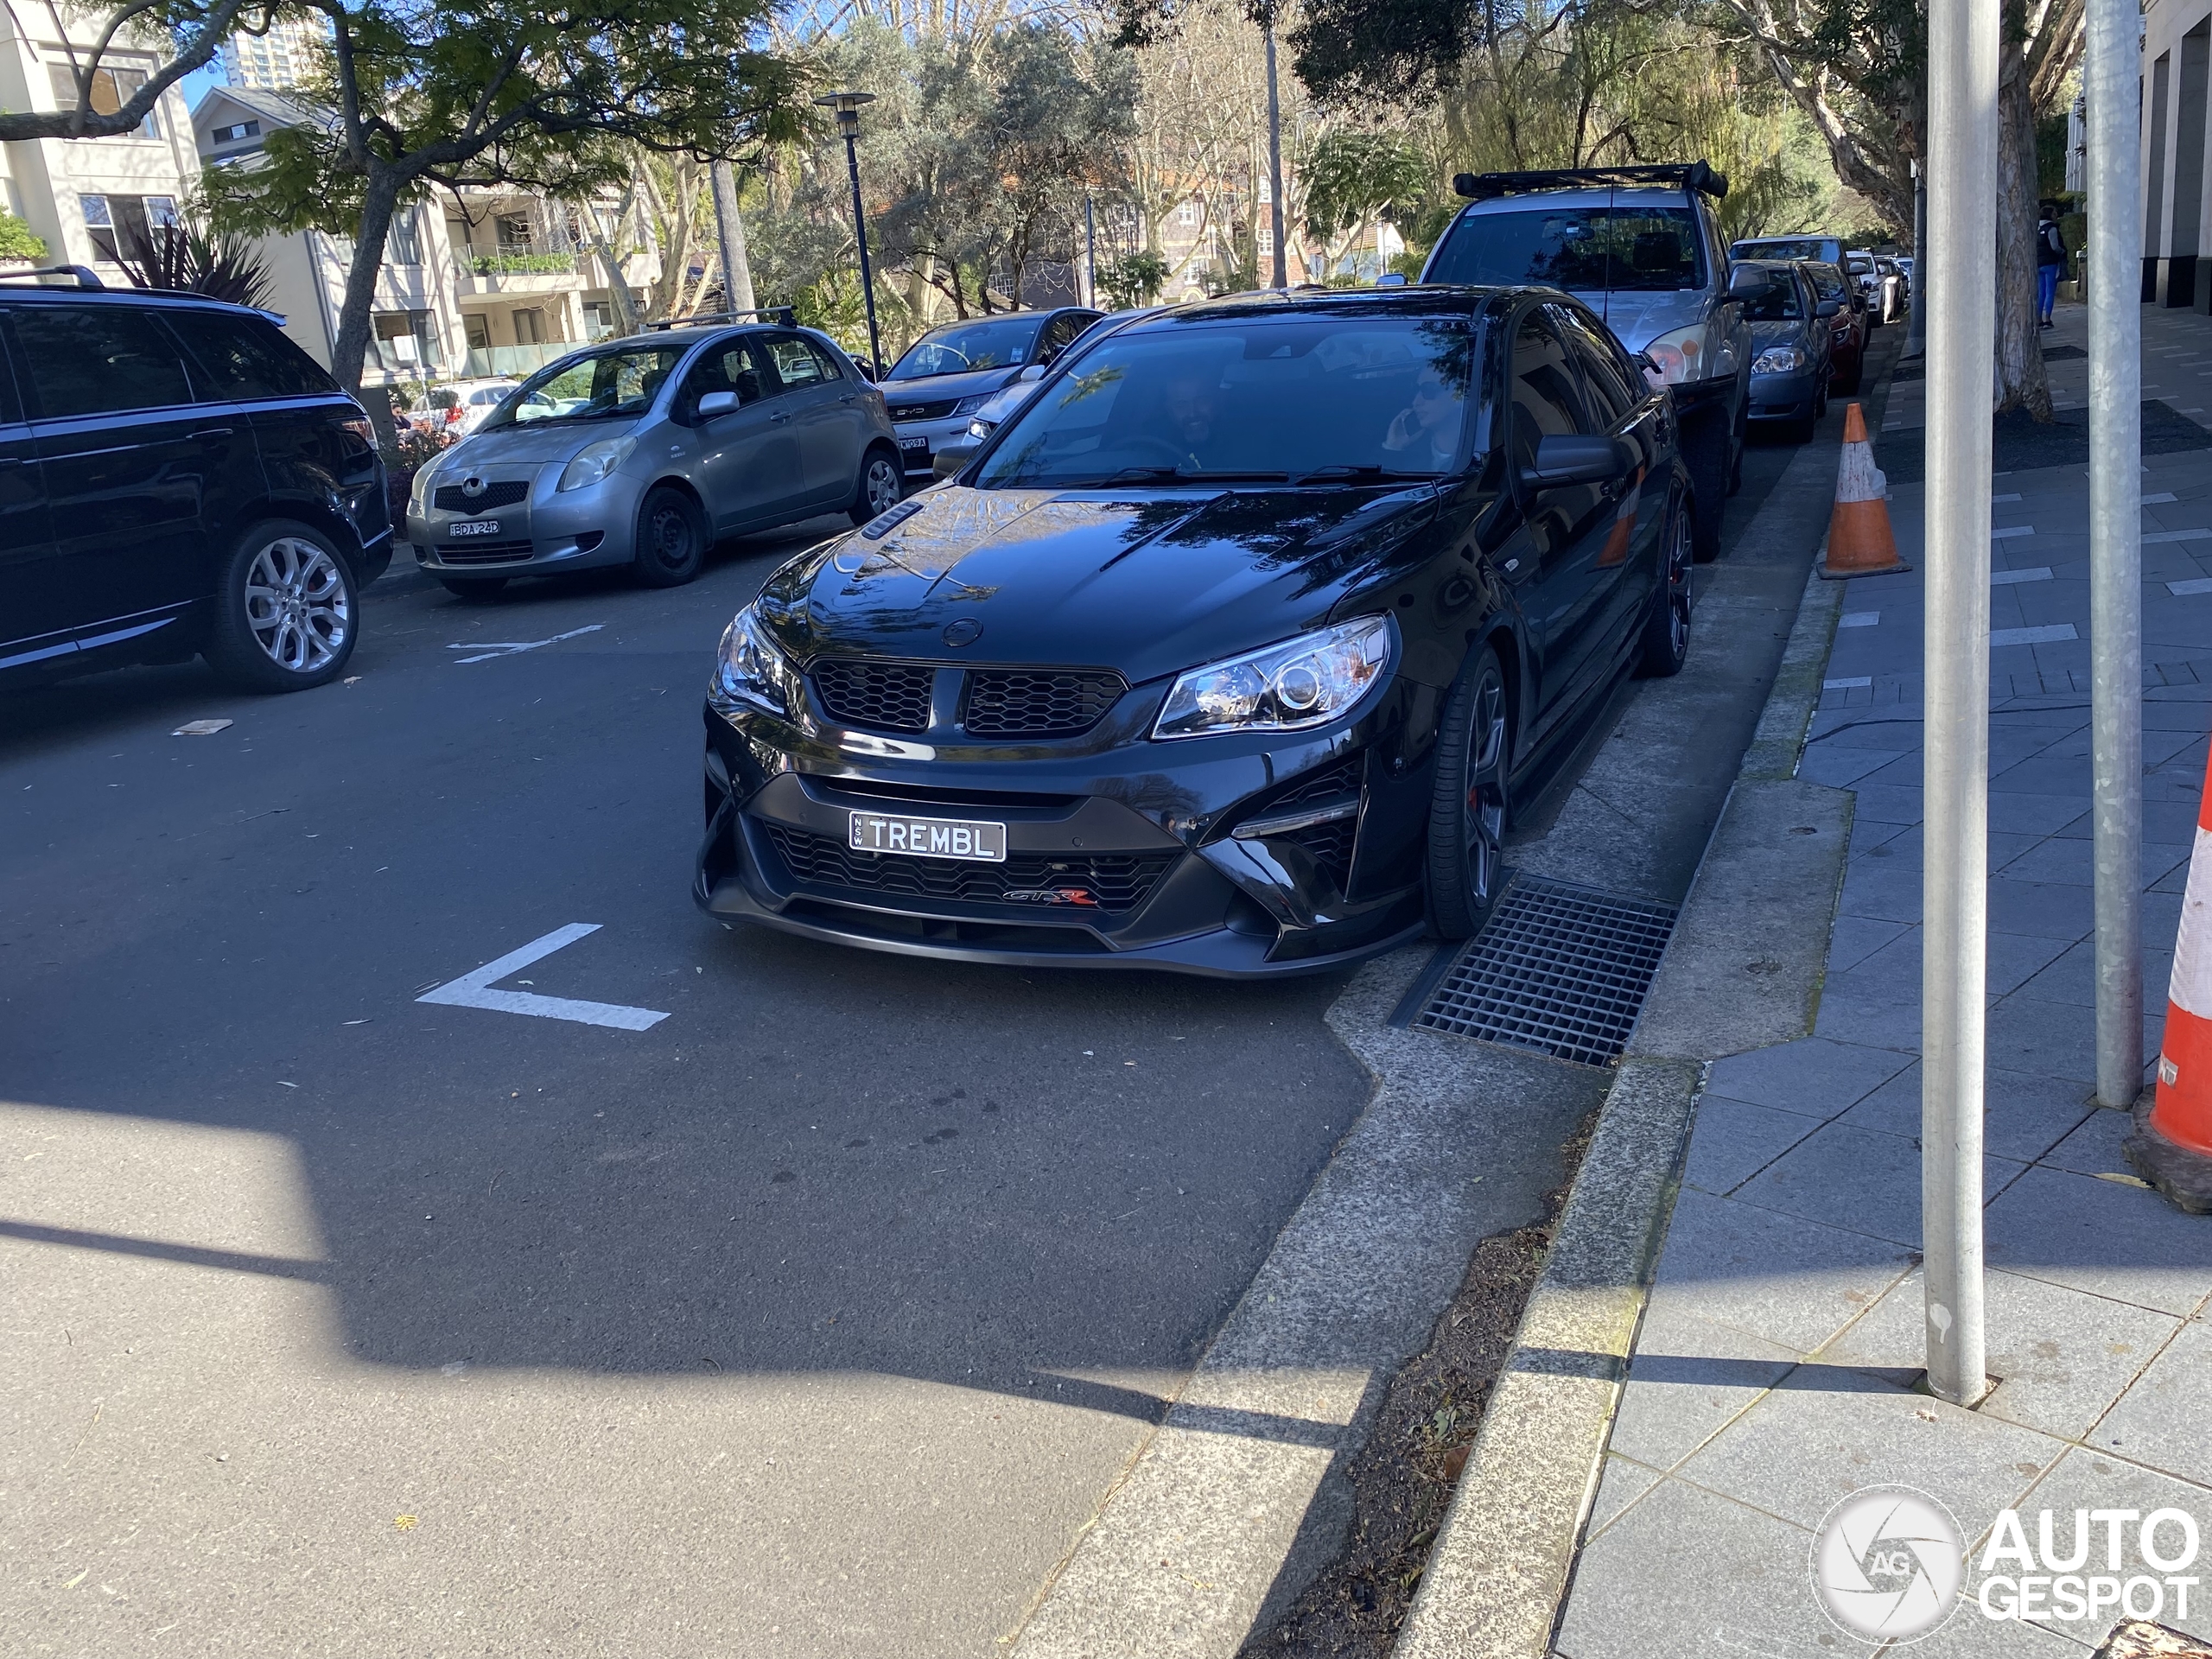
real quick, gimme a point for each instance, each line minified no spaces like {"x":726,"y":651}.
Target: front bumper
{"x":920,"y":441}
{"x":546,"y":530}
{"x":1792,"y":396}
{"x":1121,"y":852}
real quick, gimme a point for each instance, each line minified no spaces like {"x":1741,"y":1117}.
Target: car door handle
{"x":208,"y":434}
{"x":778,"y":419}
{"x":11,"y":460}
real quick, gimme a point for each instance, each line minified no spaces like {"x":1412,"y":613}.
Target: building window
{"x":479,"y":331}
{"x":406,"y":340}
{"x":111,"y":88}
{"x":406,"y":240}
{"x":599,"y":319}
{"x":515,"y":233}
{"x":1186,"y":214}
{"x":124,"y":224}
{"x":530,"y":326}
{"x":235,"y":133}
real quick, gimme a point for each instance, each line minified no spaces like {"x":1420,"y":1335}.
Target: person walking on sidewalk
{"x":2051,"y":259}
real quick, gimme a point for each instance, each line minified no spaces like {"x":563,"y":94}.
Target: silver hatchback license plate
{"x":876,"y":832}
{"x":461,"y":527}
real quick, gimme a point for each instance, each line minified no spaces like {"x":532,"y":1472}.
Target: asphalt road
{"x":813,"y":1319}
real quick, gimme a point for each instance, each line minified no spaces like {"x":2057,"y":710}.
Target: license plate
{"x":461,"y":527}
{"x":877,"y":832}
{"x":919,"y":445}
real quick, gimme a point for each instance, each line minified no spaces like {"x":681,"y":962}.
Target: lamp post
{"x":848,"y":106}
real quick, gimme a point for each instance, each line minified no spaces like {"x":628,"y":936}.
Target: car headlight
{"x":1301,"y":683}
{"x":594,"y":461}
{"x":1680,"y":354}
{"x":970,"y":405}
{"x":751,"y":671}
{"x":418,"y":491}
{"x":979,"y":429}
{"x":1780,"y":360}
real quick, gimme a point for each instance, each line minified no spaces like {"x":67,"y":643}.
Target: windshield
{"x":1778,"y":303}
{"x":1274,"y":400}
{"x":1827,"y":281}
{"x":1804,"y":247}
{"x":999,"y":343}
{"x":1592,"y":249}
{"x":621,"y":382}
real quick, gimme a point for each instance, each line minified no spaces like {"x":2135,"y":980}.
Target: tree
{"x":503,"y":91}
{"x":189,"y":29}
{"x":18,"y":241}
{"x":1355,"y":179}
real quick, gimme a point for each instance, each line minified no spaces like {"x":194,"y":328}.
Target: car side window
{"x":1063,"y":332}
{"x":1546,"y":401}
{"x":11,"y":403}
{"x":798,"y":366}
{"x":84,"y":359}
{"x":1603,"y":375}
{"x":727,"y":366}
{"x":236,"y":357}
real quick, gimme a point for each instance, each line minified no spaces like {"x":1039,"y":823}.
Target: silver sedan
{"x":646,"y":451}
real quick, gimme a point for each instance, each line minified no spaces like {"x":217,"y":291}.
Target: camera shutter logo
{"x":1888,"y":1563}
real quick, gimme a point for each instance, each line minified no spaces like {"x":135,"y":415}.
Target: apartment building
{"x":483,"y":282}
{"x":88,"y":197}
{"x":275,"y":61}
{"x":2177,"y":154}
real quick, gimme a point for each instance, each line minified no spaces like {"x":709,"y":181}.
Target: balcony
{"x":516,"y":270}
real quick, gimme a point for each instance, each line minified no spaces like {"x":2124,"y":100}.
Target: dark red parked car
{"x":1847,"y":328}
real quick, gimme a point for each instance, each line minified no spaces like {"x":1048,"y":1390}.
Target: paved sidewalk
{"x":1772,"y":1372}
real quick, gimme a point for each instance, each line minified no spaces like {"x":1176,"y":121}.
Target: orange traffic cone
{"x":2172,"y":1142}
{"x":1859,"y":542}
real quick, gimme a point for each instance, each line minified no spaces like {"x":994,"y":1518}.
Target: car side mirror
{"x":717,"y":402}
{"x":1575,"y":458}
{"x":952,"y":459}
{"x":1828,"y":307}
{"x":1034,"y":372}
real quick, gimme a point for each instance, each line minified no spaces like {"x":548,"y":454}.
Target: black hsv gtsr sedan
{"x":1229,"y":653}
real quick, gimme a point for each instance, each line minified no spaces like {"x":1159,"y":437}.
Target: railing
{"x":484,"y":361}
{"x":515,"y":262}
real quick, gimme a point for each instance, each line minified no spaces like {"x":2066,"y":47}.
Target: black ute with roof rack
{"x":177,"y":478}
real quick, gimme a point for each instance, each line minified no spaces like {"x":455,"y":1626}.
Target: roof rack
{"x":783,"y":314}
{"x":1692,"y":176}
{"x":84,"y":278}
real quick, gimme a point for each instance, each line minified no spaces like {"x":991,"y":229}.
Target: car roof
{"x":45,"y":293}
{"x":1582,"y":196}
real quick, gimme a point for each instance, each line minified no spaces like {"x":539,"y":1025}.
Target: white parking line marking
{"x":1859,"y":620}
{"x":475,"y":990}
{"x":2005,"y":578}
{"x":2194,"y":585}
{"x":2196,"y":535}
{"x":486,"y":650}
{"x":2012,"y":529}
{"x":1995,"y":499}
{"x":2163,"y":495}
{"x":1856,"y":685}
{"x":2048,"y":635}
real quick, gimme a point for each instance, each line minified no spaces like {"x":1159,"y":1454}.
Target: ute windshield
{"x":1592,"y":249}
{"x":961,"y":347}
{"x":1269,"y":400}
{"x":610,"y":384}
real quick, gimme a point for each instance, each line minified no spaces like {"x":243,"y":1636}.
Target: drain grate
{"x":1557,"y":968}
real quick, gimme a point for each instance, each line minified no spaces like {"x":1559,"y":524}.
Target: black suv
{"x":177,"y":477}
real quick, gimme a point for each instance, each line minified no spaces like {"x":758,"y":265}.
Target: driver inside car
{"x":1426,"y":431}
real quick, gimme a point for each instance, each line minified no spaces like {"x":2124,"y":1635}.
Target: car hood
{"x":1144,"y":582}
{"x":1765,"y":334}
{"x":936,"y":388}
{"x":1637,"y":319}
{"x":531,"y":443}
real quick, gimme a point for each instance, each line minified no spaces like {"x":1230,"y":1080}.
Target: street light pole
{"x":1274,"y":158}
{"x":848,"y":107}
{"x":1090,"y":248}
{"x":1961,"y":289}
{"x":1915,"y":328}
{"x":2112,"y":75}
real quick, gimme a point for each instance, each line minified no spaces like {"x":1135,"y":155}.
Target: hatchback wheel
{"x":284,"y":616}
{"x":1666,"y":644}
{"x":881,"y":485}
{"x":672,"y":539}
{"x":1467,"y":815}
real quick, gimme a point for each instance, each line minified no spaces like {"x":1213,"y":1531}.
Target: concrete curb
{"x":1743,"y":969}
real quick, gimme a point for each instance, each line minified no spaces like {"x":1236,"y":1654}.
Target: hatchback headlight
{"x":1779,"y":359}
{"x":1301,"y":683}
{"x":594,"y":461}
{"x":1680,"y":354}
{"x":753,"y":671}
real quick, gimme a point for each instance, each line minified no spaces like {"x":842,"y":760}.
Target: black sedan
{"x":1230,"y":653}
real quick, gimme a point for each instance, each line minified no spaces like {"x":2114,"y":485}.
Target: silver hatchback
{"x":646,"y":451}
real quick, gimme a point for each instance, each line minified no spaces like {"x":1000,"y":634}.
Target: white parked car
{"x":458,"y":406}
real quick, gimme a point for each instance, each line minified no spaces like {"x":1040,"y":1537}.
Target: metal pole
{"x":1915,"y":328}
{"x":1274,"y":160}
{"x":737,"y":270}
{"x":868,"y":276}
{"x":1090,"y":249}
{"x":1962,"y":37}
{"x":2111,"y":78}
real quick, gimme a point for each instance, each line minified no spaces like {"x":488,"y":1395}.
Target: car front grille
{"x":1330,"y":784}
{"x":1039,"y":702}
{"x":937,"y":411}
{"x":1116,"y":882}
{"x":888,"y":696}
{"x":484,"y":553}
{"x":1330,"y":845}
{"x":451,"y":497}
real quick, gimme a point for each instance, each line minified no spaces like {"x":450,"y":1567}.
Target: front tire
{"x":287,"y":611}
{"x":672,"y":539}
{"x":1468,"y":812}
{"x":1666,"y":644}
{"x":883,"y":482}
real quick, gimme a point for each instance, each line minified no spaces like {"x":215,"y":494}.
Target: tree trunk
{"x":2021,"y":383}
{"x":378,"y":203}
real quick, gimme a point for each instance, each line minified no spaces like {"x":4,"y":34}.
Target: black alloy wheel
{"x":1666,"y":644}
{"x":1467,"y":815}
{"x":672,"y":539}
